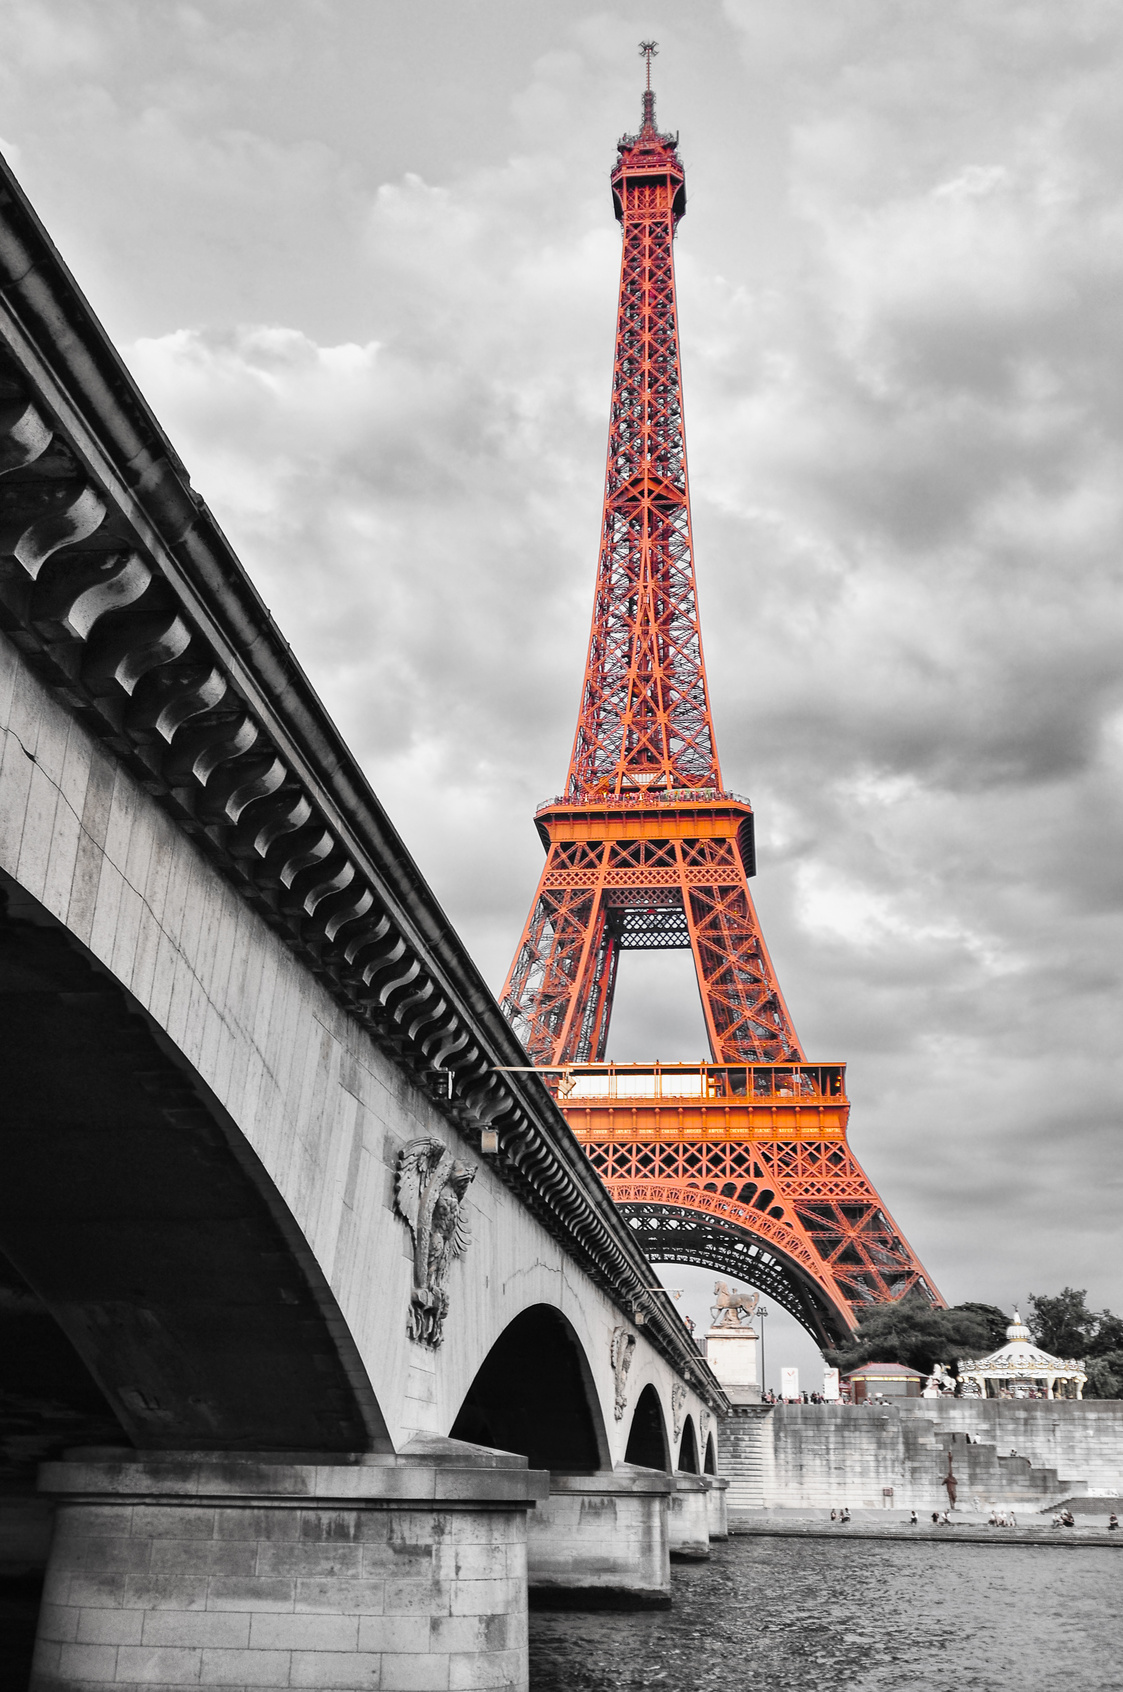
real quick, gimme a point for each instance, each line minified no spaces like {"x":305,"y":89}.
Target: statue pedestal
{"x":732,"y":1355}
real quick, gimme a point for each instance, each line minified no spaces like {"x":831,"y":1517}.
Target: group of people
{"x":998,"y":1518}
{"x":1065,"y":1518}
{"x":771,"y":1397}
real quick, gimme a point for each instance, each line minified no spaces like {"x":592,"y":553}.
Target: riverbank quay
{"x":965,"y":1528}
{"x":1026,"y":1454}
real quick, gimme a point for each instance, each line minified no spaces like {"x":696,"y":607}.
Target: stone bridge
{"x":319,"y":1328}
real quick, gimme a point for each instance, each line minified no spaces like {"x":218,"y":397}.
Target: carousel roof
{"x":884,"y":1372}
{"x":1019,"y":1356}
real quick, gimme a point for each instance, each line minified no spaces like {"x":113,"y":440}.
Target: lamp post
{"x":762,"y":1312}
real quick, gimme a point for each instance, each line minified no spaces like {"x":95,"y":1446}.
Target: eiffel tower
{"x":740,"y":1164}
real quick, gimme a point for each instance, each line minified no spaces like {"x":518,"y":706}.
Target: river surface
{"x":819,"y":1616}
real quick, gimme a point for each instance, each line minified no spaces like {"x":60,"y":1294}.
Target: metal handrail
{"x":660,"y":797}
{"x":759,"y":1081}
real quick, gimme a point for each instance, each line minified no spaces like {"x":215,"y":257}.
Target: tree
{"x":997,"y":1321}
{"x":1108,"y":1335}
{"x":916,"y":1333}
{"x":1105,"y":1376}
{"x":1063,"y":1325}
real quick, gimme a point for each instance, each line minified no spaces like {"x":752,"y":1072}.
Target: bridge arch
{"x":688,"y":1448}
{"x":709,"y":1466}
{"x":137,"y":1215}
{"x":534,"y":1394}
{"x":647,"y":1437}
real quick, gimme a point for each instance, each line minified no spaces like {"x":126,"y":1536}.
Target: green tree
{"x":1063,"y":1325}
{"x":914,"y":1332}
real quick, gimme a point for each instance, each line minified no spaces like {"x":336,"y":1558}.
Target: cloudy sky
{"x":361,"y":258}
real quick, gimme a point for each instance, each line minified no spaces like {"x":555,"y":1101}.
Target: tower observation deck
{"x":742,"y":1164}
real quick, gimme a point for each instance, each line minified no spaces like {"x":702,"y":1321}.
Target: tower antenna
{"x":648,"y":50}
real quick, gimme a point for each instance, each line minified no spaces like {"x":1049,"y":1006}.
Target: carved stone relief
{"x":623,"y":1346}
{"x":429,"y":1190}
{"x":678,"y":1402}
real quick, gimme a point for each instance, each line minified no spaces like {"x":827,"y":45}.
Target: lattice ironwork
{"x":646,"y":849}
{"x":676,"y":1234}
{"x":807,"y":1200}
{"x":620,"y":893}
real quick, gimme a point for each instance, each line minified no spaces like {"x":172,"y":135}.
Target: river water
{"x":818,"y":1615}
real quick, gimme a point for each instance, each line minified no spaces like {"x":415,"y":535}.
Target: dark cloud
{"x":365,"y":269}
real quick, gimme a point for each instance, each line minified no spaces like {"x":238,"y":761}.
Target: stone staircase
{"x":1013,"y":1479}
{"x":746,"y":1446}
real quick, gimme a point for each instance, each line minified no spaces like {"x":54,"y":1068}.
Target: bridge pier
{"x":689,"y":1518}
{"x":183,"y":1569}
{"x":717,"y":1510}
{"x":600,"y":1542}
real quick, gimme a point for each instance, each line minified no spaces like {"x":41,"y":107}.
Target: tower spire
{"x":644,"y":721}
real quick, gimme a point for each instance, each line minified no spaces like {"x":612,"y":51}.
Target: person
{"x":912,"y":1519}
{"x":834,"y":1515}
{"x":845,"y":1516}
{"x":935,"y":1518}
{"x":1113,"y":1523}
{"x":1067,"y":1519}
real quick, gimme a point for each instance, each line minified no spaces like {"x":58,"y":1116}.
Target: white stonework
{"x":321,"y":1106}
{"x":179,"y":1571}
{"x":732,"y":1354}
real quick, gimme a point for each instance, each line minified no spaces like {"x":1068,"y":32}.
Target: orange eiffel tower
{"x":740,"y":1164}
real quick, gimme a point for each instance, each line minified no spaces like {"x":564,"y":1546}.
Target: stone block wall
{"x":377,"y":1587}
{"x":601,"y":1541}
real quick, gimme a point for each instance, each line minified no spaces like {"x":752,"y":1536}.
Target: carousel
{"x":1020,"y":1369}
